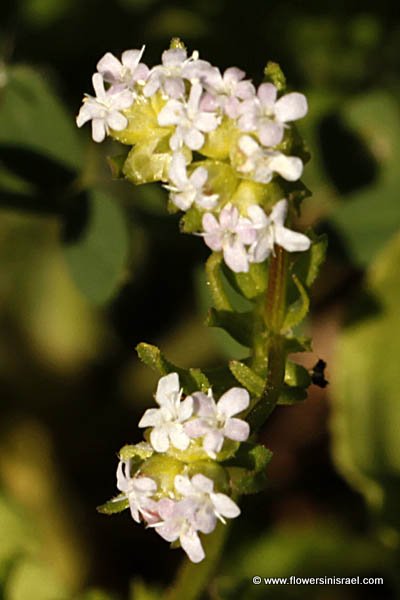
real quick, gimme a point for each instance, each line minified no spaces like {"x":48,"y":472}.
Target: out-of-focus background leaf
{"x":90,"y":267}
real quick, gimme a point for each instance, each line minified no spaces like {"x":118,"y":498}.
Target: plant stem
{"x":192,"y":579}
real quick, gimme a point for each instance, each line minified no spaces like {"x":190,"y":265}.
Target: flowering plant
{"x":231,"y":160}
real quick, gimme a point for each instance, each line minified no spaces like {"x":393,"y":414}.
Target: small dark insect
{"x":318,"y":374}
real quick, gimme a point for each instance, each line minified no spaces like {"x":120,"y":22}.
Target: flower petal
{"x":292,"y":241}
{"x":167,"y":385}
{"x":151,"y":418}
{"x":225,"y":506}
{"x":191,"y":544}
{"x":267,"y":94}
{"x":289,"y":167}
{"x":159,"y":439}
{"x":237,"y":430}
{"x":235,"y":256}
{"x":291,"y":107}
{"x":178,"y":437}
{"x":233,"y":401}
{"x":213,"y":442}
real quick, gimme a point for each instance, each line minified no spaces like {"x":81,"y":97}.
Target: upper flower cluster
{"x":168,"y":490}
{"x":243,"y":135}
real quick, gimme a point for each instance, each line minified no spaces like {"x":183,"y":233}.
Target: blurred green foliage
{"x":90,"y":267}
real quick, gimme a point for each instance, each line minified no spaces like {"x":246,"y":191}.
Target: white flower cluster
{"x":195,"y":102}
{"x":192,"y":505}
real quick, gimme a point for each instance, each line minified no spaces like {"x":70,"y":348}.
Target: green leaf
{"x":370,"y":216}
{"x":97,"y":257}
{"x":308,"y":264}
{"x":365,"y":385}
{"x":116,"y":505}
{"x":139,"y":451}
{"x":291,"y":395}
{"x":239,"y":325}
{"x":252,"y":284}
{"x":32,"y":117}
{"x":192,"y":380}
{"x":246,"y":377}
{"x":298,"y":309}
{"x":296,"y":375}
{"x":247,"y":468}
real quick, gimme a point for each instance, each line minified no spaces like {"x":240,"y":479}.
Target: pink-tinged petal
{"x":270,"y":133}
{"x":233,"y":402}
{"x":124,"y":99}
{"x":178,"y":437}
{"x":262,"y":248}
{"x":209,"y":103}
{"x":166,"y":508}
{"x":151,"y":86}
{"x":213,"y":241}
{"x":210,"y":223}
{"x":247,"y":120}
{"x":193,"y":138}
{"x":205,"y":519}
{"x":196,"y":428}
{"x":204,"y":405}
{"x":203,"y":483}
{"x":229,"y":217}
{"x":191,"y":544}
{"x":279,"y":212}
{"x":246,"y":231}
{"x":233,"y":75}
{"x":98,"y":86}
{"x":194,"y":97}
{"x":232,"y":107}
{"x":182,"y":485}
{"x":291,"y":107}
{"x":205,"y":121}
{"x":116,"y":121}
{"x":169,"y":531}
{"x":237,"y":430}
{"x":289,"y":167}
{"x":185,"y":409}
{"x":167,"y":385}
{"x":267,"y":94}
{"x":173,"y":57}
{"x":98,"y":130}
{"x":225,"y":506}
{"x":213,"y":442}
{"x":109,"y":66}
{"x":183,"y":200}
{"x":141,"y":73}
{"x":199,"y":177}
{"x":235,"y":256}
{"x":245,"y":90}
{"x":151,"y":418}
{"x":174,"y":87}
{"x":292,"y":241}
{"x":213,"y":77}
{"x":159,"y":439}
{"x":131,"y":58}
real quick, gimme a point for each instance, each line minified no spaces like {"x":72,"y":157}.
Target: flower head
{"x":138,"y":491}
{"x":267,"y":116}
{"x":230,"y":234}
{"x":187,"y":190}
{"x":191,"y":123}
{"x":214,"y":420}
{"x":167,"y":421}
{"x":260,"y":164}
{"x":271,"y":230}
{"x":123,"y":73}
{"x":226,"y":91}
{"x":104,"y":109}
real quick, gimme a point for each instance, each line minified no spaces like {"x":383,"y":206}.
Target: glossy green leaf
{"x":239,"y":325}
{"x":116,"y":505}
{"x":247,"y":378}
{"x":33,"y":118}
{"x":97,"y":256}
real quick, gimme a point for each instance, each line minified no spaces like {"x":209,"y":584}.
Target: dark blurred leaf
{"x":97,"y":255}
{"x":32,"y":117}
{"x":366,"y":411}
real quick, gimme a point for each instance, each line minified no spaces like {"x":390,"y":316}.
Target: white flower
{"x":126,"y":72}
{"x":230,"y":235}
{"x":261,"y":164}
{"x":138,"y":491}
{"x":178,"y":524}
{"x":104,"y":109}
{"x":190,"y":121}
{"x":271,"y":230}
{"x":214,"y":420}
{"x":175,"y":68}
{"x":167,"y":421}
{"x":185,"y":190}
{"x":210,"y":505}
{"x":226,"y":91}
{"x":267,"y":116}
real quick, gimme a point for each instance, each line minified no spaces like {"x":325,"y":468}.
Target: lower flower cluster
{"x":174,"y":482}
